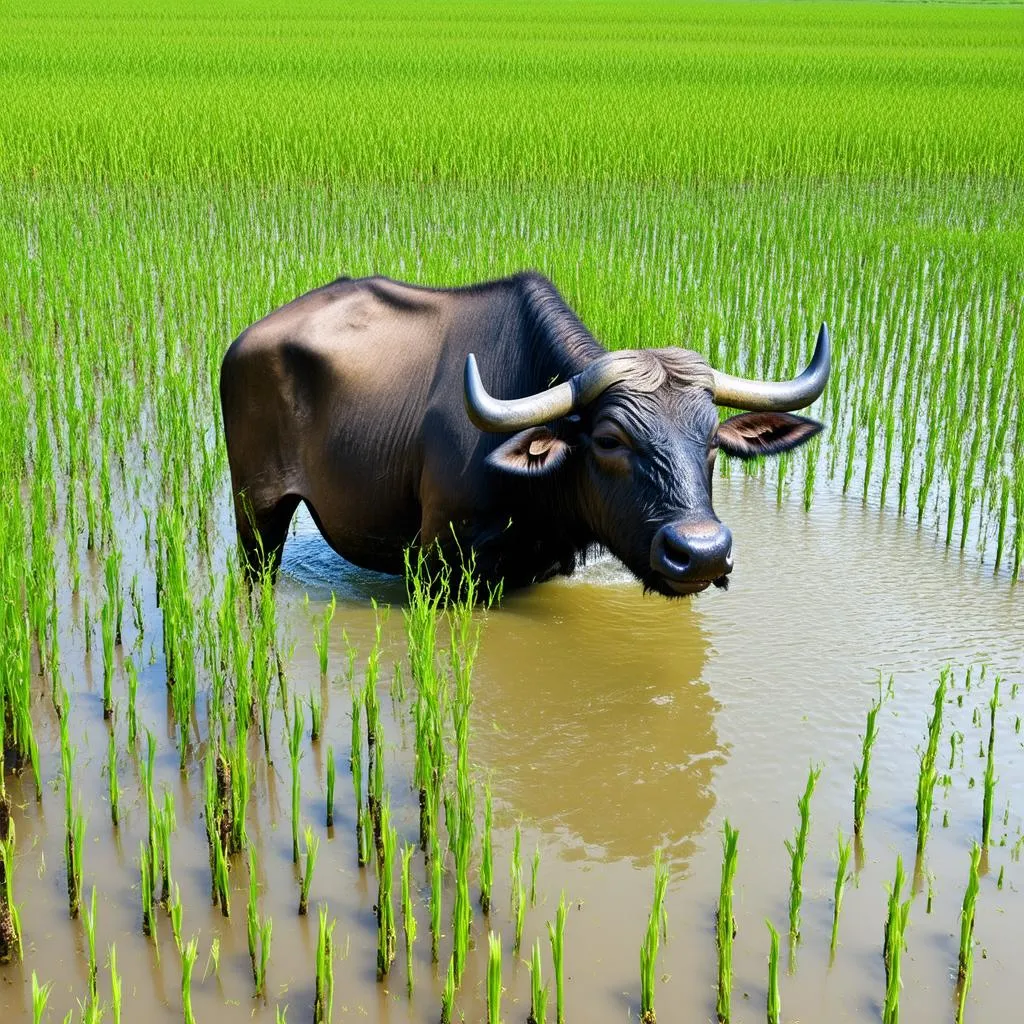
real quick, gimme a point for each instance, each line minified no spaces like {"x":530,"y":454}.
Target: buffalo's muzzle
{"x":690,"y":556}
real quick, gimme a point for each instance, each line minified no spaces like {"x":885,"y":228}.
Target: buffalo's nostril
{"x":676,"y":552}
{"x":692,"y":552}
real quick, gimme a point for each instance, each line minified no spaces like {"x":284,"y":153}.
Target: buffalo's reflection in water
{"x":590,"y":715}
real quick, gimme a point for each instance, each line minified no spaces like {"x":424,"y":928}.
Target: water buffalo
{"x":365,"y":399}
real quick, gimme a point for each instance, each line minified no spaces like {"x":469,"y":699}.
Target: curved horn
{"x":498,"y":416}
{"x":778,"y":396}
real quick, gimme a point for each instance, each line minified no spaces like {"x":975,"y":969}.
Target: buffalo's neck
{"x":535,"y":536}
{"x":555,"y":341}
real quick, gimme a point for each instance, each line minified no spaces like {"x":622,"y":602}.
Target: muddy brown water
{"x":607,"y":723}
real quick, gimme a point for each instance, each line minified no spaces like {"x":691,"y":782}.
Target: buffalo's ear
{"x":532,"y":452}
{"x":764,"y":433}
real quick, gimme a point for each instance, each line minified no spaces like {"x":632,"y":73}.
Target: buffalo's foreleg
{"x":262,"y":531}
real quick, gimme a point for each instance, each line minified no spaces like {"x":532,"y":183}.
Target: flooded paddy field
{"x":607,"y":725}
{"x":723,"y":178}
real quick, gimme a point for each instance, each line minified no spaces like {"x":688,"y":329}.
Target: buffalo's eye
{"x":608,"y":442}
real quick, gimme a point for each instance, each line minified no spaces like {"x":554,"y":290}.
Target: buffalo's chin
{"x":656,"y":583}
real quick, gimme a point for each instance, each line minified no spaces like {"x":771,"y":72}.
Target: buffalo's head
{"x":634,"y":436}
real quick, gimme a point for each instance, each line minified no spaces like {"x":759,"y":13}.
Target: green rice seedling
{"x":138,"y":619}
{"x":649,"y":947}
{"x":956,"y":739}
{"x":451,"y":821}
{"x":534,"y":868}
{"x":107,"y":634}
{"x":371,"y":702}
{"x":493,"y":978}
{"x":386,"y":931}
{"x":436,"y":878}
{"x":375,"y":796}
{"x":363,"y":833}
{"x":92,"y":1013}
{"x":266,"y":934}
{"x":398,"y":684}
{"x":990,"y":767}
{"x":177,"y":912}
{"x":427,"y":776}
{"x":324,"y":1000}
{"x":165,"y":826}
{"x":461,"y":909}
{"x":89,"y":921}
{"x":999,"y":880}
{"x":515,"y":871}
{"x":235,"y":795}
{"x":115,"y":986}
{"x":40,"y":997}
{"x":486,"y":856}
{"x":843,"y":850}
{"x":262,"y":645}
{"x":188,"y":962}
{"x":252,"y":919}
{"x":33,"y":748}
{"x":965,"y":963}
{"x":146,"y":875}
{"x":222,"y":882}
{"x":556,"y":935}
{"x":74,"y":825}
{"x":774,"y":1009}
{"x":520,"y":916}
{"x":281,"y":1014}
{"x":321,"y":635}
{"x":213,"y":811}
{"x":312,"y":849}
{"x":114,"y":787}
{"x":408,"y":917}
{"x":895,"y":929}
{"x":798,"y":855}
{"x":295,"y":755}
{"x":928,"y":773}
{"x":330,"y":787}
{"x":258,"y":931}
{"x":316,"y":716}
{"x":10,"y":921}
{"x":925,"y":793}
{"x":147,"y":769}
{"x":538,"y":990}
{"x":133,"y":690}
{"x":213,"y":959}
{"x":1004,"y":509}
{"x":448,"y":994}
{"x":356,"y":765}
{"x":356,"y":751}
{"x":75,"y":846}
{"x":726,"y":926}
{"x":860,"y":773}
{"x":112,"y":574}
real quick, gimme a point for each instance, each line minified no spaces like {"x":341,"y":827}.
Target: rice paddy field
{"x":334,"y":798}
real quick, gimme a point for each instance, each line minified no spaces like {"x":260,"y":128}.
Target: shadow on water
{"x":592,"y":718}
